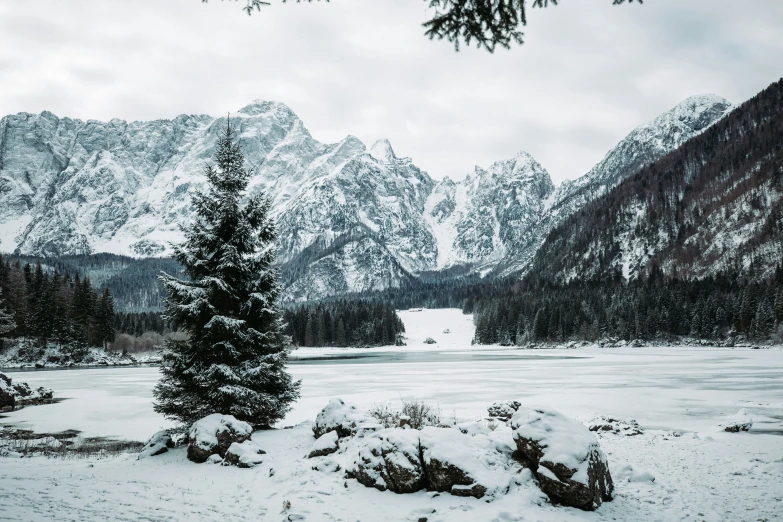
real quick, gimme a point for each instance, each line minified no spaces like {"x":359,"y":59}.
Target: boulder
{"x":466,"y":465}
{"x":389,"y":459}
{"x":7,"y":393}
{"x":157,"y":445}
{"x":430,"y":340}
{"x":340,"y":417}
{"x":324,"y":445}
{"x":214,"y":434}
{"x":503,"y":410}
{"x":739,"y":422}
{"x":243,"y":455}
{"x":565,"y":457}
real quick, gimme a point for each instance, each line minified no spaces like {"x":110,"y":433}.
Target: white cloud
{"x":587,"y":74}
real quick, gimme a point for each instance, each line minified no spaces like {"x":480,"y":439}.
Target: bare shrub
{"x":147,"y":342}
{"x":419,"y":412}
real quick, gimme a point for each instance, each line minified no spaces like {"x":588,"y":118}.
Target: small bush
{"x":419,"y":412}
{"x":429,"y":340}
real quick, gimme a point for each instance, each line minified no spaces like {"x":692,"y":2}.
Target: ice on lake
{"x":677,"y":388}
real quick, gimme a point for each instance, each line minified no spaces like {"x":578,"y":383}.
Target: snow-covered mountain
{"x":713,"y":206}
{"x":479,"y":220}
{"x":350,"y":219}
{"x":642,"y":146}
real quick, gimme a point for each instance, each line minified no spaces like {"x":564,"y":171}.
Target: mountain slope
{"x":640,"y":147}
{"x":713,"y":205}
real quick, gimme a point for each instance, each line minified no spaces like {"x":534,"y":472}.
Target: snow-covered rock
{"x":340,"y":417}
{"x":466,"y":466}
{"x":214,"y":434}
{"x":20,"y":393}
{"x":604,"y":424}
{"x":503,"y":410}
{"x":389,"y":460}
{"x":326,"y":444}
{"x":741,"y":421}
{"x":565,"y":457}
{"x":245,"y":454}
{"x":158,"y":444}
{"x":7,"y":392}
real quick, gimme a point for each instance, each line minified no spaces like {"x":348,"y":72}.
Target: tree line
{"x":655,"y":308}
{"x":53,"y":307}
{"x":343,"y":323}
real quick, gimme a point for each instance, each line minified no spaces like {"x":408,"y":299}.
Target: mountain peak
{"x":382,"y":151}
{"x":696,"y":112}
{"x":259,"y":107}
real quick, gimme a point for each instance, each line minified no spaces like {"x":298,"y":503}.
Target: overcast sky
{"x":587,"y":74}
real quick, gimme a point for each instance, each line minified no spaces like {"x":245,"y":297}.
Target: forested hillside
{"x":54,"y":307}
{"x":721,"y":308}
{"x":714,"y":205}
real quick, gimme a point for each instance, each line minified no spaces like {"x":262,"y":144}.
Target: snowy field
{"x":678,"y":395}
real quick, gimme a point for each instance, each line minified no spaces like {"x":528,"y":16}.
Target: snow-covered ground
{"x":678,"y":395}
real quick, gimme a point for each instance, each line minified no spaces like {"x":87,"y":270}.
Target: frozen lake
{"x":673,"y":388}
{"x":678,"y":395}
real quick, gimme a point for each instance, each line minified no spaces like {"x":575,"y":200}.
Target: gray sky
{"x":587,"y":74}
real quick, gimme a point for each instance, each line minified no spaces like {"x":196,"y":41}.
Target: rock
{"x":739,"y":422}
{"x":340,"y":417}
{"x":214,"y":434}
{"x":215,"y":459}
{"x":404,"y":421}
{"x":389,"y":459}
{"x":467,"y":466}
{"x":245,"y":454}
{"x":324,"y":445}
{"x":7,"y":393}
{"x":429,"y":340}
{"x":157,"y":445}
{"x":565,"y":457}
{"x":628,"y":428}
{"x":503,"y":410}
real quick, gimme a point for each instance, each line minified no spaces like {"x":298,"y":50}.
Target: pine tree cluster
{"x":138,"y":323}
{"x":654,"y":309}
{"x":53,"y":307}
{"x":343,"y":323}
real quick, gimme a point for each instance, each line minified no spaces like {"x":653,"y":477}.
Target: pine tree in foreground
{"x":234,"y":361}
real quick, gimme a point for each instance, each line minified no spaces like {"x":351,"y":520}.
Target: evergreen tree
{"x":104,"y":319}
{"x":7,"y":324}
{"x":234,"y":361}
